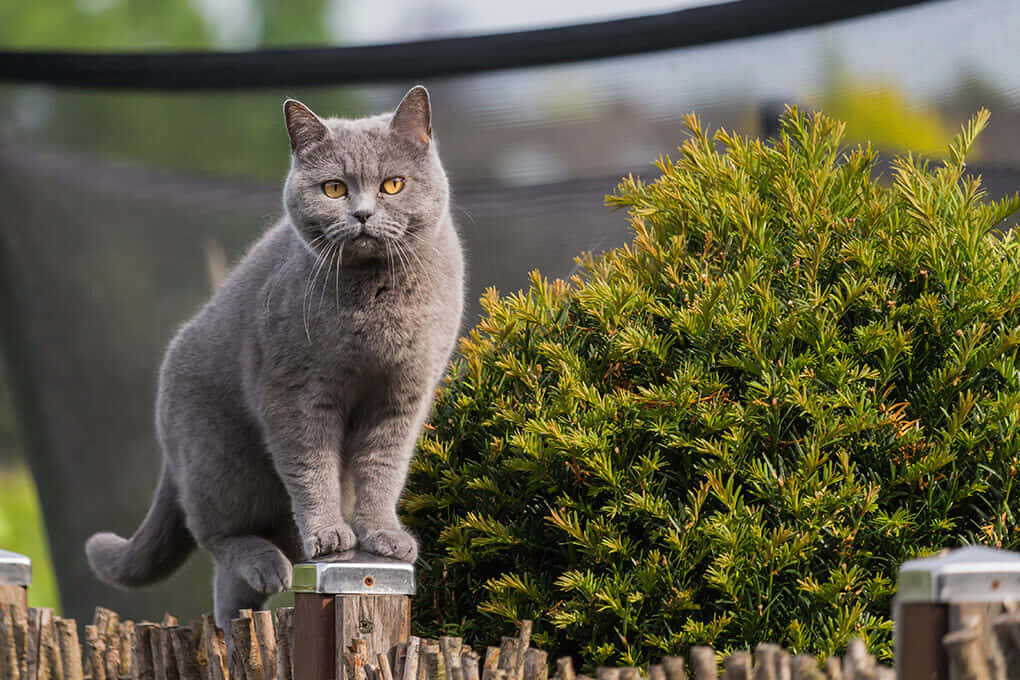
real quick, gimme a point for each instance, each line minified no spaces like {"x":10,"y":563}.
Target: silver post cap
{"x":15,"y":569}
{"x":971,"y":574}
{"x":354,"y":573}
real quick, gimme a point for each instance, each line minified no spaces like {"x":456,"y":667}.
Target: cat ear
{"x":413,"y":118}
{"x":303,"y":126}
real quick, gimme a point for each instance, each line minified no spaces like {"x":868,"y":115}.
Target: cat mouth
{"x":364,"y":243}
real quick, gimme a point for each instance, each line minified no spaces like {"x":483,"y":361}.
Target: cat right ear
{"x":303,"y":126}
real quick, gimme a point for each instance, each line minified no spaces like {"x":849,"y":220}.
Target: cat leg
{"x":232,"y":593}
{"x":306,"y":455}
{"x":380,"y":455}
{"x":252,"y":560}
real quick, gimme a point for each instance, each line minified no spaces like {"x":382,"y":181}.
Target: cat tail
{"x":158,"y":547}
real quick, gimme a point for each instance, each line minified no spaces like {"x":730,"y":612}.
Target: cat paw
{"x":395,"y":543}
{"x":268,"y":572}
{"x":331,"y":539}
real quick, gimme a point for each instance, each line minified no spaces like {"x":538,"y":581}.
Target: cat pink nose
{"x":362,"y":214}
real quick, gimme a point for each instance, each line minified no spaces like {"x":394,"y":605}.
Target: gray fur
{"x":289,"y":406}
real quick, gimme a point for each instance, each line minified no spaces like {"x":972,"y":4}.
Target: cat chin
{"x":363,"y":248}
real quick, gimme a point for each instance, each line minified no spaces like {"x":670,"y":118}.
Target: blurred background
{"x":120,"y":211}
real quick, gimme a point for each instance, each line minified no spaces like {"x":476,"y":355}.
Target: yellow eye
{"x":334,"y":188}
{"x":393,"y":185}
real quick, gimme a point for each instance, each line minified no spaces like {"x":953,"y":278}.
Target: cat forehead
{"x":356,"y":142}
{"x":373,"y":126}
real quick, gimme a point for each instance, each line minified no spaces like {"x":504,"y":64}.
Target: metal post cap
{"x":971,"y":574}
{"x":354,"y":573}
{"x":15,"y":569}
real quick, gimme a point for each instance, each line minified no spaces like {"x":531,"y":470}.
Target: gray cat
{"x":289,"y":406}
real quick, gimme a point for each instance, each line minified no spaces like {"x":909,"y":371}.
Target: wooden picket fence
{"x":36,"y":645}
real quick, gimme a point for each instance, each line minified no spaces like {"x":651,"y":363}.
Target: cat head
{"x":361,"y":183}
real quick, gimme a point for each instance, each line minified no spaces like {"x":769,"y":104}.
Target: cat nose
{"x":362,"y":214}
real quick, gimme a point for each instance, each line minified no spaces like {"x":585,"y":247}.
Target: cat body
{"x":289,"y":406}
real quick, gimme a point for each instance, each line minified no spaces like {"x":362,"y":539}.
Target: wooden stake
{"x":427,"y":646}
{"x":215,"y":649}
{"x":284,"y":641}
{"x":469,"y":665}
{"x":805,"y":667}
{"x":411,"y":658}
{"x":523,"y":642}
{"x":965,"y":654}
{"x":565,"y":668}
{"x":141,"y":653}
{"x":385,"y":672}
{"x":164,"y":666}
{"x":737,"y":666}
{"x":127,"y":636}
{"x":508,"y":654}
{"x":703,"y":663}
{"x":355,"y":658}
{"x":450,"y":647}
{"x":857,"y":661}
{"x":49,"y":649}
{"x":105,"y":621}
{"x":1006,"y":628}
{"x":66,"y":632}
{"x":766,"y":662}
{"x":111,"y":640}
{"x":492,"y":657}
{"x":536,"y":667}
{"x":31,"y":671}
{"x":182,"y":641}
{"x":246,"y":650}
{"x":266,"y":637}
{"x":19,"y":621}
{"x":673,"y":667}
{"x":10,"y":667}
{"x":434,"y":664}
{"x":94,"y":652}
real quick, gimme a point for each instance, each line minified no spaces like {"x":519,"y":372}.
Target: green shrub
{"x":735,"y":428}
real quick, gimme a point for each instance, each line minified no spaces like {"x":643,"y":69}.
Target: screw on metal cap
{"x":971,"y":574}
{"x":354,"y":573}
{"x":15,"y":569}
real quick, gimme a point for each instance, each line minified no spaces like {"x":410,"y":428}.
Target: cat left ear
{"x":413,"y":118}
{"x":303,"y":126}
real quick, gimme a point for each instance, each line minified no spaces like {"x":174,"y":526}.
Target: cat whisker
{"x":422,"y":240}
{"x":310,"y":287}
{"x":389,"y":260}
{"x":403,"y":259}
{"x":409,"y":253}
{"x":325,"y":282}
{"x":339,"y":265}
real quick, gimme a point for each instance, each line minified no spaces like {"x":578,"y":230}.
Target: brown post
{"x":920,"y":627}
{"x":314,"y":648}
{"x":340,"y":598}
{"x":15,"y":578}
{"x":927,"y":589}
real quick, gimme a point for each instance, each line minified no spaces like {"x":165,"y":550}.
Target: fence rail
{"x":36,"y":645}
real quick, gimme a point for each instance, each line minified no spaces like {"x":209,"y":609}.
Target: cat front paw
{"x":267,"y":572}
{"x":395,"y":543}
{"x":331,"y":539}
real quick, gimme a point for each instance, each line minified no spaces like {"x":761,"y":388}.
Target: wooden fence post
{"x":340,"y":598}
{"x":932,"y":590}
{"x":15,"y":578}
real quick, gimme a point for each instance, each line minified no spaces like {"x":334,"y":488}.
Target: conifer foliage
{"x":736,"y":427}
